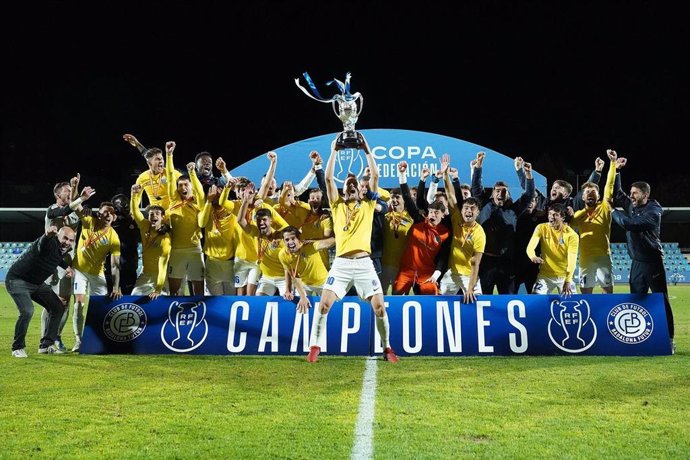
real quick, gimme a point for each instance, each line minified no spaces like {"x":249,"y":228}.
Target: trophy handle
{"x":334,"y":104}
{"x":361,"y":102}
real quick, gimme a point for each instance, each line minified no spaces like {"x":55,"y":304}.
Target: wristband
{"x":75,"y":204}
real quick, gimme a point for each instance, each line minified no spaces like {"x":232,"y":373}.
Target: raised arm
{"x":371,"y":162}
{"x":331,"y":188}
{"x":610,"y":176}
{"x":270,"y":174}
{"x":526,"y":197}
{"x":77,"y":205}
{"x":450,"y":190}
{"x":305,"y":183}
{"x":477,"y":187}
{"x":246,"y":199}
{"x":197,"y":188}
{"x":519,"y":163}
{"x":207,"y":210}
{"x":410,"y":205}
{"x":170,"y":168}
{"x":135,"y":203}
{"x":130,"y":139}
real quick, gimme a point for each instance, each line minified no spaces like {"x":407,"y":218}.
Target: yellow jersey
{"x":468,"y":240}
{"x":245,"y":243}
{"x":594,"y":225}
{"x":558,"y":250}
{"x":352,"y":224}
{"x":267,"y":252}
{"x":294,"y":215}
{"x":219,"y":239}
{"x":306,"y":264}
{"x":395,"y":229}
{"x":156,"y":187}
{"x":315,"y":227}
{"x":155,"y":247}
{"x":184,"y":224}
{"x":94,"y":245}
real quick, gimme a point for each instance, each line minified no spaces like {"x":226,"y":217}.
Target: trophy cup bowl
{"x":348,"y":112}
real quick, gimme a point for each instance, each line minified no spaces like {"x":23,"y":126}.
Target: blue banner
{"x":595,"y":324}
{"x":389,"y":146}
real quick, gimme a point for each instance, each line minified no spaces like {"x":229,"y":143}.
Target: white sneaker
{"x":52,"y":349}
{"x":76,"y":346}
{"x":60,"y":346}
{"x":21,"y":353}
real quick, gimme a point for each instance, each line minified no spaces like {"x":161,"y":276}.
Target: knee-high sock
{"x":384,"y":329}
{"x":78,"y":320}
{"x":317,"y":333}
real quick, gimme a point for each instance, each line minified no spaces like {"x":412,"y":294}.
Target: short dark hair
{"x":58,"y":187}
{"x":500,"y":183}
{"x":438,"y":206}
{"x":291,"y":229}
{"x":155,"y":207}
{"x":565,"y":184}
{"x":202,"y":154}
{"x":108,"y":204}
{"x":183,"y":177}
{"x":557,"y":207}
{"x":263,"y":212}
{"x":643,"y":187}
{"x":590,"y":185}
{"x":152,"y":152}
{"x":395,"y":191}
{"x":314,"y":190}
{"x":122,"y":196}
{"x":465,"y":187}
{"x":471,"y":201}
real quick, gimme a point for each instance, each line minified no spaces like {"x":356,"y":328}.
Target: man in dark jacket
{"x":641,"y":220}
{"x":25,"y":283}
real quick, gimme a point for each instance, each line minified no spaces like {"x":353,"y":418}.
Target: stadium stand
{"x":10,"y":251}
{"x":677,"y":263}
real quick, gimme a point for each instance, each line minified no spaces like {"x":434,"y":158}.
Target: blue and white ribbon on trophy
{"x":344,"y":89}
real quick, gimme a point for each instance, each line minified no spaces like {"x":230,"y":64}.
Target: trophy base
{"x":349,"y":140}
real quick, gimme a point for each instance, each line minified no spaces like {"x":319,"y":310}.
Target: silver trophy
{"x":345,"y":107}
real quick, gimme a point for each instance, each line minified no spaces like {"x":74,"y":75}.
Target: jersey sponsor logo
{"x":571,"y":327}
{"x":186,"y":328}
{"x":630,"y":323}
{"x":124,"y":322}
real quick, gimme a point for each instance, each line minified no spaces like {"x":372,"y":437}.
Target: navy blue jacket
{"x":642,"y":226}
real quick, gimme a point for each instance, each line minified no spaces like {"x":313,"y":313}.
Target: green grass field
{"x":124,"y":406}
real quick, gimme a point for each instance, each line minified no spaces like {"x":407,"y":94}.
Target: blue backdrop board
{"x":595,"y":324}
{"x":389,"y":146}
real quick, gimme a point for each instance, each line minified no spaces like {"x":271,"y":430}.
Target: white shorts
{"x":220,"y":276}
{"x":388,"y":275}
{"x":596,"y":270}
{"x":269,"y":286}
{"x":146,"y":284}
{"x":94,"y":284}
{"x":186,"y":262}
{"x":361,"y":273}
{"x":545,"y":285}
{"x":454,"y":283}
{"x":246,"y":272}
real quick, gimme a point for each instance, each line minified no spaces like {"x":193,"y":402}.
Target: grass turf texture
{"x":124,"y":406}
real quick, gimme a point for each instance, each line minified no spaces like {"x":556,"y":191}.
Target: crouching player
{"x":304,"y":268}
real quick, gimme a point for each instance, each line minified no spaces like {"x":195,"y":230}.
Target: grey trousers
{"x":24,"y":294}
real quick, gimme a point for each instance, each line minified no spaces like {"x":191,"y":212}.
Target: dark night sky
{"x":554,"y":82}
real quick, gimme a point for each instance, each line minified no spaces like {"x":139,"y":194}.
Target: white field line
{"x":363,"y":447}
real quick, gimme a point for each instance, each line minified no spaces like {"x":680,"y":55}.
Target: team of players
{"x":266,"y":241}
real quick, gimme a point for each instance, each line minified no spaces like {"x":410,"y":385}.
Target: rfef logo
{"x":630,"y":323}
{"x":571,"y":327}
{"x":186,"y":327}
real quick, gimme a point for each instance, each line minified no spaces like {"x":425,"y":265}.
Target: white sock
{"x":384,"y":329}
{"x":78,"y":320}
{"x":319,"y":326}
